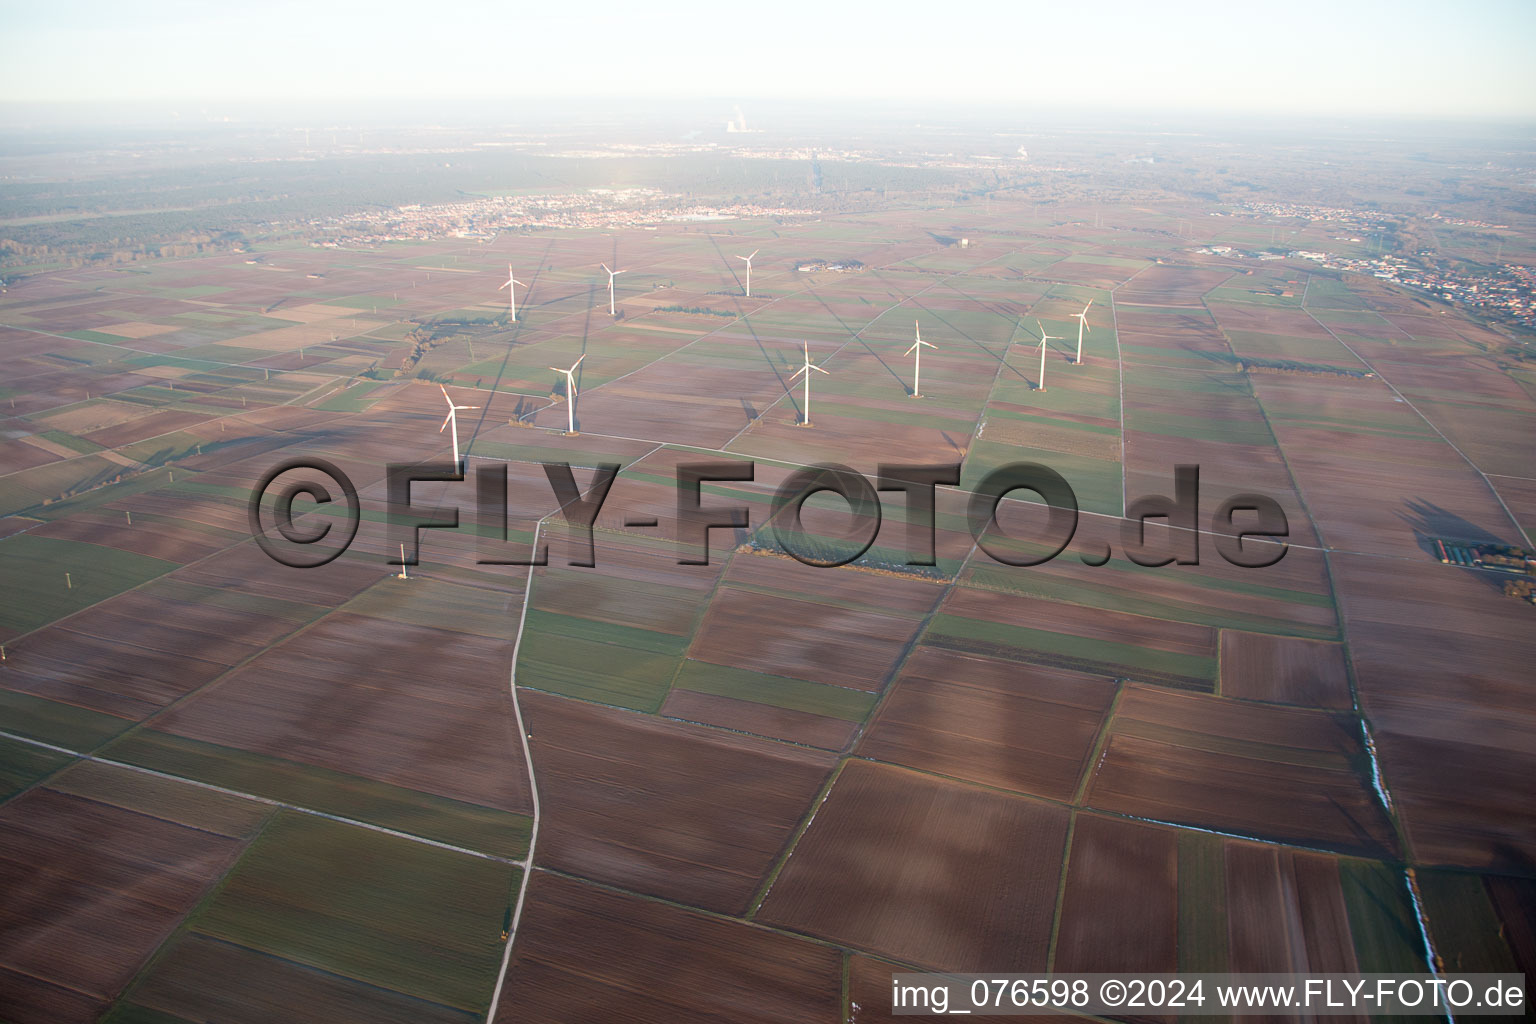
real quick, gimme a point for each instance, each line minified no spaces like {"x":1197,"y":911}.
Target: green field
{"x":373,"y":909}
{"x":774,"y":691}
{"x":1103,"y":656}
{"x":22,"y":764}
{"x":37,"y":592}
{"x":445,"y":820}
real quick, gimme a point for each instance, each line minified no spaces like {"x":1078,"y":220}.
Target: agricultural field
{"x":381,"y":927}
{"x":1192,"y":901}
{"x":672,"y":810}
{"x":586,"y":949}
{"x":93,"y":890}
{"x":893,"y":855}
{"x":1279,"y":773}
{"x":327,"y":787}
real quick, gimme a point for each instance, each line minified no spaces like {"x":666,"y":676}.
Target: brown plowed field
{"x":664,"y":808}
{"x":1267,"y":885}
{"x":999,"y":723}
{"x":1261,"y":770}
{"x":1520,"y":495}
{"x":587,"y":954}
{"x":110,"y":528}
{"x":1442,"y":662}
{"x":18,"y":455}
{"x":1288,"y":670}
{"x":91,"y":891}
{"x":247,"y":569}
{"x":860,"y":622}
{"x":93,"y":660}
{"x":933,"y":872}
{"x":1388,"y":486}
{"x":410,"y":705}
{"x":1169,"y":285}
{"x":1120,"y":908}
{"x":257,"y":988}
{"x":145,"y":427}
{"x":1226,"y":469}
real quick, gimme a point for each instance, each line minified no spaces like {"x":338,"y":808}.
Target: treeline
{"x":699,"y":310}
{"x":429,"y":334}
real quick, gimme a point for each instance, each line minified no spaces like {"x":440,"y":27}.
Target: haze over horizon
{"x":1304,"y":59}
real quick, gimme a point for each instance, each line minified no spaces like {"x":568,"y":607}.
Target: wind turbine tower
{"x":570,"y":393}
{"x":916,"y":352}
{"x":452,"y":420}
{"x":1082,"y":325}
{"x":805,"y":368}
{"x":1043,"y":339}
{"x":510,"y":285}
{"x":611,"y":275}
{"x":749,"y":270}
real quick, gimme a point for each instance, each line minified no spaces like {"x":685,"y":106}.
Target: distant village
{"x":482,"y":219}
{"x":1502,"y":291}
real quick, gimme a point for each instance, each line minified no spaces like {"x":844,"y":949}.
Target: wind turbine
{"x":512,"y":292}
{"x":916,"y":351}
{"x":570,"y":392}
{"x":749,"y":270}
{"x":1082,"y":325}
{"x":1043,"y":339}
{"x":452,"y":420}
{"x":806,"y":420}
{"x":611,"y":275}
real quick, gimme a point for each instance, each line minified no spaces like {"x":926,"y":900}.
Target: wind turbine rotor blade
{"x":505,"y":284}
{"x":445,"y":423}
{"x":754,"y":253}
{"x":798,"y":372}
{"x":578,"y":361}
{"x":820,"y":370}
{"x":605,"y":267}
{"x":467,"y":407}
{"x":913,"y":348}
{"x":557,"y":369}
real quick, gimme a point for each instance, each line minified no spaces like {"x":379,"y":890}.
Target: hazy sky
{"x":1468,"y":58}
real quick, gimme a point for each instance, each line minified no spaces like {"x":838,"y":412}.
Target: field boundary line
{"x":1061,"y":890}
{"x":759,"y":897}
{"x":268,"y":801}
{"x":533,"y":789}
{"x":533,"y":782}
{"x":1114,"y":325}
{"x":184,"y":927}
